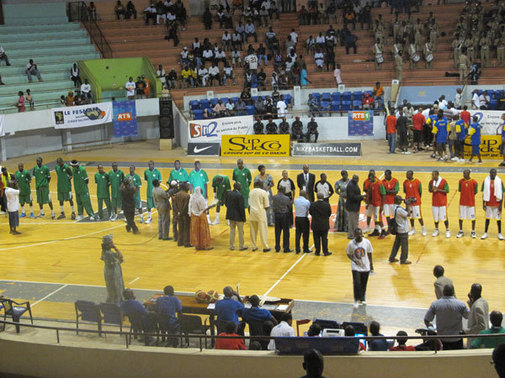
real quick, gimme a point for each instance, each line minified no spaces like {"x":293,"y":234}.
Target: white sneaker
{"x":424,"y":231}
{"x":474,"y":235}
{"x":435,"y":233}
{"x":460,"y":234}
{"x":356,"y":304}
{"x":79,"y":218}
{"x":92,"y":218}
{"x":484,"y":236}
{"x":454,"y":158}
{"x":412,"y":232}
{"x":500,"y":236}
{"x":149,"y":220}
{"x":447,"y":234}
{"x":461,"y":160}
{"x":363,"y":303}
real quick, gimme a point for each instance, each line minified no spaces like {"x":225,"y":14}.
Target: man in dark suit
{"x":353,"y":205}
{"x":320,"y":212}
{"x":235,"y":213}
{"x":306,"y":182}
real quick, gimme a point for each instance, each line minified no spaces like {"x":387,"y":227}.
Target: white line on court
{"x":48,"y":295}
{"x":285,"y":274}
{"x":136,"y":279}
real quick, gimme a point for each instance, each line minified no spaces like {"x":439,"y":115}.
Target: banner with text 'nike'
{"x":204,"y":149}
{"x":210,"y":130}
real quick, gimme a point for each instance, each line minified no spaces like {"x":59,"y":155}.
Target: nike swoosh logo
{"x":197,"y":150}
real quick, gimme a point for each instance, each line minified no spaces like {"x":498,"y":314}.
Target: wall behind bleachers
{"x":17,"y":13}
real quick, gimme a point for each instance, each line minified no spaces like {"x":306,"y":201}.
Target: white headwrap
{"x":197,"y":203}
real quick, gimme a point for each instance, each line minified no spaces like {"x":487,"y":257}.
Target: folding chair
{"x":89,"y":312}
{"x":15,"y":310}
{"x":112,"y":314}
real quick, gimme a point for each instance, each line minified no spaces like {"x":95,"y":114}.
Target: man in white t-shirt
{"x":283,"y":329}
{"x":281,"y":107}
{"x":86,"y":90}
{"x":252,"y":61}
{"x":359,"y":251}
{"x":475,"y":100}
{"x":130,"y":89}
{"x":12,"y":195}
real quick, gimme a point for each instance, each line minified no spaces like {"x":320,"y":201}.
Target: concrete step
{"x":33,"y":29}
{"x":7,"y":91}
{"x":11,"y":47}
{"x":41,"y":36}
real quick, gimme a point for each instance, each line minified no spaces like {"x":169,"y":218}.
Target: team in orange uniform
{"x":413,"y":189}
{"x":468,"y":188}
{"x":439,"y":188}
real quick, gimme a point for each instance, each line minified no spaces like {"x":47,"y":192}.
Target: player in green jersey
{"x":24,"y":179}
{"x":81,"y":182}
{"x":102,"y":191}
{"x":137,"y":183}
{"x":151,"y":174}
{"x":221,"y":185}
{"x":42,"y":179}
{"x":64,"y":176}
{"x":116,"y":177}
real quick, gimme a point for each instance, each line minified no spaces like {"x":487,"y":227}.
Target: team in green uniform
{"x":221,"y":185}
{"x":178,"y":174}
{"x":102,"y":191}
{"x":137,"y":183}
{"x":243,"y":176}
{"x":151,"y":174}
{"x":24,"y":179}
{"x":116,"y":177}
{"x":42,"y":179}
{"x":81,"y":182}
{"x":64,"y":176}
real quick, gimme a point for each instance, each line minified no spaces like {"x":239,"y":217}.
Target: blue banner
{"x":360,"y":123}
{"x":124,"y":119}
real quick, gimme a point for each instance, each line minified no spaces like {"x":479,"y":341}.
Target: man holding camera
{"x":400,"y":215}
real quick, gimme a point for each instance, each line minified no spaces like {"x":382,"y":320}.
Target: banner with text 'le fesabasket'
{"x":82,"y":115}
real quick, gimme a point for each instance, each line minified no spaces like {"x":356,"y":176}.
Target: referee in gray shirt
{"x":402,"y":236}
{"x":450,"y":313}
{"x":281,"y":205}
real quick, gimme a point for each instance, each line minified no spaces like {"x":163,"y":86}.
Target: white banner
{"x":2,"y":125}
{"x":490,"y":121}
{"x":210,"y":130}
{"x":83,"y":115}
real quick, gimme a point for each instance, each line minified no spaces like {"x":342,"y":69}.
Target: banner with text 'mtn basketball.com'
{"x":255,"y":145}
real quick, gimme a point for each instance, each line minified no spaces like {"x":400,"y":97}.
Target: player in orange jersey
{"x":413,"y":189}
{"x":468,"y":188}
{"x":492,"y":201}
{"x":439,"y":188}
{"x":374,"y":205}
{"x":390,"y":188}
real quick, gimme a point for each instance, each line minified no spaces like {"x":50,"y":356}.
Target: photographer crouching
{"x":399,"y":226}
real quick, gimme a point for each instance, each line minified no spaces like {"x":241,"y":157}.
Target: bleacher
{"x":40,"y":32}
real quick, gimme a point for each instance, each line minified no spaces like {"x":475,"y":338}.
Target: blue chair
{"x":370,"y":93}
{"x":112,"y":314}
{"x":204,"y":104}
{"x":346,"y":96}
{"x":198,"y":114}
{"x":210,"y":112}
{"x":346,"y":105}
{"x":316,"y":95}
{"x":234,"y":99}
{"x":325,"y":106}
{"x":194,"y":104}
{"x":224,"y":100}
{"x":357,"y":95}
{"x":326,"y":96}
{"x":251,"y":110}
{"x":358,"y":327}
{"x":89,"y":312}
{"x":288,"y":99}
{"x":356,"y":104}
{"x":324,"y":324}
{"x":254,"y":98}
{"x":15,"y":310}
{"x":213,"y":101}
{"x":493,"y":104}
{"x":335,"y":96}
{"x":491,"y":93}
{"x":335,"y":106}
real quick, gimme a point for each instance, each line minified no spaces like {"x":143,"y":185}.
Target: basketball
{"x":201,"y":296}
{"x":212,"y":296}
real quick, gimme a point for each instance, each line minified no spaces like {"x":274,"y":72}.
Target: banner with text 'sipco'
{"x":255,"y":145}
{"x":82,"y":115}
{"x":210,"y":130}
{"x":489,"y":147}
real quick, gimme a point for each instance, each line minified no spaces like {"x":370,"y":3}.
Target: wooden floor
{"x":69,"y":253}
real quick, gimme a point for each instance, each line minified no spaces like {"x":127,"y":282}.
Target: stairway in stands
{"x":40,"y":32}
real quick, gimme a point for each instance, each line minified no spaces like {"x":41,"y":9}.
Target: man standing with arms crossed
{"x":151,"y":174}
{"x":23,"y":179}
{"x":102,"y":192}
{"x":439,"y":189}
{"x":467,"y":188}
{"x":116,"y":177}
{"x":492,"y":199}
{"x":64,"y":176}
{"x":81,"y":182}
{"x":42,"y":180}
{"x":413,"y":190}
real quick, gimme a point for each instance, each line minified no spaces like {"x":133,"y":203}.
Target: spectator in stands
{"x":20,"y":105}
{"x":92,"y":10}
{"x":314,"y":330}
{"x":29,"y":99}
{"x":160,"y":73}
{"x":258,"y":126}
{"x":171,"y":79}
{"x":214,"y":74}
{"x":246,"y":96}
{"x":495,"y":318}
{"x":241,"y":108}
{"x":297,"y":130}
{"x":169,"y":310}
{"x":130,"y":11}
{"x":130,"y":89}
{"x":173,"y":33}
{"x":479,"y":310}
{"x":32,"y":69}
{"x":150,"y":14}
{"x":226,"y":41}
{"x":62,"y":100}
{"x":449,"y":312}
{"x":203,"y":76}
{"x":135,"y":311}
{"x":312,"y":130}
{"x":283,"y":329}
{"x":337,"y":75}
{"x":313,"y":364}
{"x":281,"y":108}
{"x":140,"y":87}
{"x":230,"y":329}
{"x":367,"y":102}
{"x":313,"y":104}
{"x":304,"y":79}
{"x":119,"y":10}
{"x":402,"y":341}
{"x":220,"y":56}
{"x":379,"y":345}
{"x":86,"y":91}
{"x":250,"y":30}
{"x":69,"y":100}
{"x":484,"y":100}
{"x":350,"y":42}
{"x":227,"y":308}
{"x":219,"y":109}
{"x":230,"y":107}
{"x":228,"y":74}
{"x":259,"y":105}
{"x":3,"y":56}
{"x":378,"y":92}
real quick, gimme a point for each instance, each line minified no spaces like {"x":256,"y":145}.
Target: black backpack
{"x":393,"y":226}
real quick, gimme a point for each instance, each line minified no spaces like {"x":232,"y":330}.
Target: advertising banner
{"x":210,"y":130}
{"x":490,"y":121}
{"x":255,"y":145}
{"x":203,"y":149}
{"x":125,"y":118}
{"x":360,"y":123}
{"x":327,"y":149}
{"x":83,"y":115}
{"x":489,"y":147}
